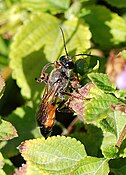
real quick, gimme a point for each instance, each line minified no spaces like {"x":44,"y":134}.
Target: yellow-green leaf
{"x":42,"y":30}
{"x":91,"y":166}
{"x":7,"y":130}
{"x":56,"y":155}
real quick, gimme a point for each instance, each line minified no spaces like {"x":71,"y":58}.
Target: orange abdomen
{"x":51,"y":117}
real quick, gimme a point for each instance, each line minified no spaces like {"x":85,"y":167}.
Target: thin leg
{"x":74,"y":82}
{"x":44,"y":75}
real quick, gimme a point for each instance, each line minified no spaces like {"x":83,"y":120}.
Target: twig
{"x":121,"y":137}
{"x":70,"y":127}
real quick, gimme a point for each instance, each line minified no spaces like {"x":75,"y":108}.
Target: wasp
{"x":56,"y":84}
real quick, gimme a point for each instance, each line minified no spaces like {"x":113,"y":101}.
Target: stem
{"x":121,"y":137}
{"x":70,"y":127}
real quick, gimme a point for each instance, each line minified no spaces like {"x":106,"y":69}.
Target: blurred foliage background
{"x":30,"y":37}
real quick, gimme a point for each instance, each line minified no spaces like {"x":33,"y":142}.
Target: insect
{"x":56,"y":83}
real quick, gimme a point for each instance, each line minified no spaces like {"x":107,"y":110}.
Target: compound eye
{"x":71,"y":65}
{"x":63,"y":59}
{"x":67,"y":62}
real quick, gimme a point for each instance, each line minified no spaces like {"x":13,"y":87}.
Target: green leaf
{"x":91,"y":166}
{"x":11,"y":19}
{"x":118,"y":166}
{"x":98,"y":108}
{"x":2,"y":172}
{"x":7,"y":130}
{"x":89,"y":139}
{"x":8,"y":167}
{"x":3,"y":47}
{"x":43,"y":31}
{"x":102,"y":81}
{"x":94,"y":60}
{"x":108,"y":145}
{"x":46,"y":5}
{"x":56,"y":155}
{"x":123,"y":54}
{"x":23,"y":119}
{"x":96,"y":67}
{"x":110,"y":152}
{"x":114,"y":123}
{"x":108,"y":29}
{"x":94,"y":92}
{"x":112,"y":126}
{"x":1,"y":165}
{"x":34,"y":34}
{"x":120,"y":94}
{"x":73,"y":10}
{"x":2,"y":85}
{"x":28,"y":68}
{"x":116,"y":3}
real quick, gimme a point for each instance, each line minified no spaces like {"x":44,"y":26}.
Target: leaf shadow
{"x":32,"y":66}
{"x":97,"y":18}
{"x":92,"y":139}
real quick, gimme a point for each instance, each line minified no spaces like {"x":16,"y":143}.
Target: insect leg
{"x":74,"y":82}
{"x":44,"y":75}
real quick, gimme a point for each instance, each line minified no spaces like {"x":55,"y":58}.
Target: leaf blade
{"x":54,"y":155}
{"x":91,"y":165}
{"x":99,"y":107}
{"x":7,"y":130}
{"x":102,"y":81}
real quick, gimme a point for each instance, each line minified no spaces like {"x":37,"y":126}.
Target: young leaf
{"x":7,"y":131}
{"x":91,"y":166}
{"x":108,"y":29}
{"x":56,"y":155}
{"x":99,"y":107}
{"x":102,"y":82}
{"x":46,"y":5}
{"x":110,"y":152}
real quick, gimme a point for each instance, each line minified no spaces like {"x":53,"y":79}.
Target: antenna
{"x":64,"y":41}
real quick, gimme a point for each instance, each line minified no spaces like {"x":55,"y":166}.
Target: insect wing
{"x":46,"y":111}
